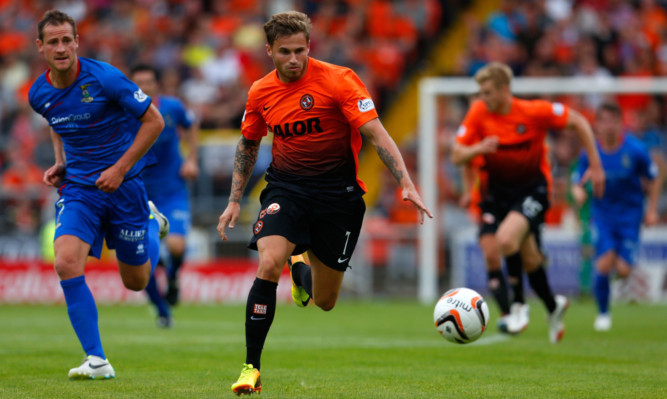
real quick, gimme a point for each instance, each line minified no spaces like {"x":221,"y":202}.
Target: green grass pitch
{"x":381,"y":349}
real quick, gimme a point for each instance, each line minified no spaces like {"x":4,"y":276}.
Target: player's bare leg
{"x":326,"y":283}
{"x":273,"y":254}
{"x":135,"y":277}
{"x":511,"y":233}
{"x":70,"y":256}
{"x":531,"y":255}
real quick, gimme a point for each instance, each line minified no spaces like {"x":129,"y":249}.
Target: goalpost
{"x":431,"y":88}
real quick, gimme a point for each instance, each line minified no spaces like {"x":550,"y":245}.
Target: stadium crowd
{"x":209,"y":52}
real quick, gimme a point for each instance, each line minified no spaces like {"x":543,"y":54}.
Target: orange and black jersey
{"x":315,"y":124}
{"x":521,"y":158}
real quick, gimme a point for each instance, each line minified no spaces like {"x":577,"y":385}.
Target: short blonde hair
{"x":497,"y":72}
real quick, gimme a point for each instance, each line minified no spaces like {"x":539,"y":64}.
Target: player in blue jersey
{"x":166,"y":182}
{"x":617,"y":216}
{"x":102,"y":125}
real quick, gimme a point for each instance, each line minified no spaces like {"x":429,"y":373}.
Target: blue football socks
{"x":153,"y":242}
{"x":601,"y":292}
{"x":156,"y":298}
{"x":82,"y":313}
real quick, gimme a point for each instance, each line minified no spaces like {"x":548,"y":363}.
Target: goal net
{"x":431,"y":90}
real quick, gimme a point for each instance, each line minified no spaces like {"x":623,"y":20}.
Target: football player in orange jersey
{"x":510,"y":134}
{"x":313,"y":200}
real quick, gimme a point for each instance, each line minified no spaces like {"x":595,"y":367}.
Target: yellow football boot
{"x":248,"y":381}
{"x":299,"y":294}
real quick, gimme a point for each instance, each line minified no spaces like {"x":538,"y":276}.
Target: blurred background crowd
{"x":208,"y":54}
{"x":596,"y":39}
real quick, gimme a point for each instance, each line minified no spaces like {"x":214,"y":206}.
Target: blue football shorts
{"x":176,"y":207}
{"x":622,"y":239}
{"x":120,"y":217}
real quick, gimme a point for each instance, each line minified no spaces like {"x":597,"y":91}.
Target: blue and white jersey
{"x":623,"y":200}
{"x":165,"y":178}
{"x":97,"y":118}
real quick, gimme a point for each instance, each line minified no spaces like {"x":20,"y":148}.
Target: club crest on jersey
{"x":168,"y":121}
{"x":521,"y":128}
{"x":307,"y":101}
{"x":87,"y":98}
{"x":273,"y":208}
{"x":258,"y":227}
{"x":625,"y":160}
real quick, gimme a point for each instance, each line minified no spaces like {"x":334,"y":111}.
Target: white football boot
{"x":555,"y":319}
{"x":519,"y":317}
{"x":602,"y":322}
{"x":93,"y":368}
{"x":162,"y":220}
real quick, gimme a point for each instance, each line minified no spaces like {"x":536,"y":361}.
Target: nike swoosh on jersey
{"x":257,"y":318}
{"x":342,"y":260}
{"x":265,"y":107}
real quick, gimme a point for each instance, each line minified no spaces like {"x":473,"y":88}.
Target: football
{"x":461,"y":315}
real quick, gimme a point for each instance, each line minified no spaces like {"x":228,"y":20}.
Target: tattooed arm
{"x":391,"y":156}
{"x":244,"y":162}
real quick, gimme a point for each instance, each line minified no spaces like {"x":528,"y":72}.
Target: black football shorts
{"x":329,"y":229}
{"x":532,"y":203}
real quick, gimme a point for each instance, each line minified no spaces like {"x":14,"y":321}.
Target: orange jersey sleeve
{"x":469,"y":132}
{"x":315,"y":124}
{"x":356,"y":104}
{"x":552,"y":115}
{"x":253,"y":126}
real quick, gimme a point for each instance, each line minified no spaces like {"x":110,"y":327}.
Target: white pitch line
{"x":491,"y":339}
